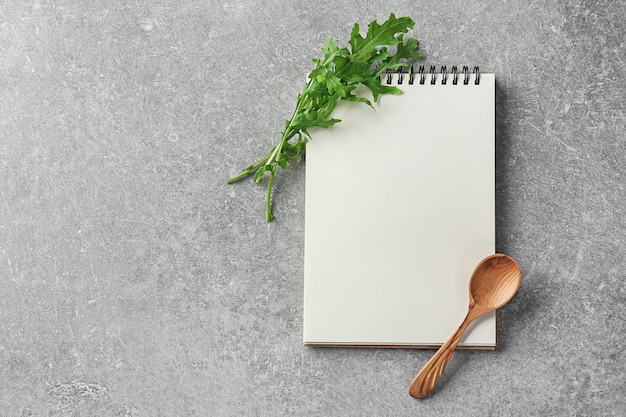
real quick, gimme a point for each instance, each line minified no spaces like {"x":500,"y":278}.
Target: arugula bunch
{"x":334,"y":79}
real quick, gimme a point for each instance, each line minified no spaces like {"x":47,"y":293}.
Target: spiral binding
{"x":442,"y":74}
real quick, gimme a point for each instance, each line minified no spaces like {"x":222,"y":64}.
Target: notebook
{"x":400,"y":208}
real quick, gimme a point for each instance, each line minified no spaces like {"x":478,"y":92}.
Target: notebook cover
{"x":399,"y":209}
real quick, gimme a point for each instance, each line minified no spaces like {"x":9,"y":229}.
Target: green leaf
{"x":258,"y":175}
{"x":358,"y":100}
{"x":377,"y":88}
{"x":283,"y":161}
{"x":325,"y":123}
{"x":377,"y":35}
{"x":334,"y":85}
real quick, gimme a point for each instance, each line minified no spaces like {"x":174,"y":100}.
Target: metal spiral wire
{"x":441,"y":75}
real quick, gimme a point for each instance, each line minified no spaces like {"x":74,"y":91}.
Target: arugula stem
{"x":269,"y":217}
{"x":276,"y":151}
{"x":289,"y":132}
{"x":248,"y":171}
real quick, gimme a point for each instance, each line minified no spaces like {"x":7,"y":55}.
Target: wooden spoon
{"x":492,"y":284}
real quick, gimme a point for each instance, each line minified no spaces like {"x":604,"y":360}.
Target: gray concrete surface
{"x":135,"y":282}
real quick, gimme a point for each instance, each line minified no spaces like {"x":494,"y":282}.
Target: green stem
{"x":289,"y":132}
{"x":277,"y":150}
{"x":252,"y":168}
{"x":269,"y":217}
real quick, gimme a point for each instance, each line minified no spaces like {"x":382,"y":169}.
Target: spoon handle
{"x":427,"y":378}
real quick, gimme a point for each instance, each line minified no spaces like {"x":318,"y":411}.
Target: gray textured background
{"x":134,"y":282}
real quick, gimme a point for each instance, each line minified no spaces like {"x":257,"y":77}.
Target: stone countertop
{"x":135,"y":282}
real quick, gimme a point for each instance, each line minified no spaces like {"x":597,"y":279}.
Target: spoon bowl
{"x":493,"y":283}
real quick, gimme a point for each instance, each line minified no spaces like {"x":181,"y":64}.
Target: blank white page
{"x":399,"y":210}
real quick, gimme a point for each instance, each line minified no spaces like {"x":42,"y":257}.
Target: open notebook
{"x":399,"y":210}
